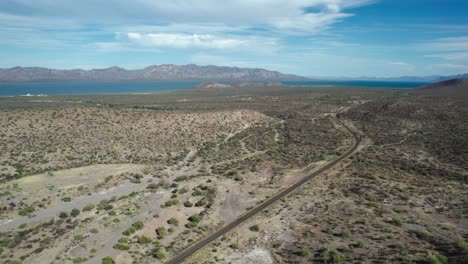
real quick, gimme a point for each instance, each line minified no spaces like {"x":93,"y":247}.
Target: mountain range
{"x":431,"y":78}
{"x":165,"y":72}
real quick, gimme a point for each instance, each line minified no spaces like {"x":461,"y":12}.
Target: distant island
{"x":165,"y":72}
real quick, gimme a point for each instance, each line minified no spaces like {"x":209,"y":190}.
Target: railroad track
{"x":190,"y":250}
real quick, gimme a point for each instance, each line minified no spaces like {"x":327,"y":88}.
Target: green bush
{"x":88,"y":207}
{"x":94,"y":230}
{"x":332,"y":256}
{"x":200,"y":203}
{"x":159,"y":253}
{"x":436,"y":259}
{"x":188,"y":204}
{"x":195,"y":218}
{"x":345,"y":233}
{"x":66,"y":199}
{"x":26,"y":210}
{"x":235,"y":246}
{"x":144,"y":240}
{"x":121,"y":246}
{"x":23,"y":225}
{"x":254,"y":228}
{"x":129,"y":231}
{"x":108,"y":260}
{"x":161,"y":231}
{"x":63,"y":215}
{"x":78,"y":237}
{"x":173,"y":221}
{"x":197,"y":192}
{"x":397,"y":221}
{"x":138,"y":225}
{"x":75,"y":212}
{"x":304,"y":252}
{"x":181,"y":178}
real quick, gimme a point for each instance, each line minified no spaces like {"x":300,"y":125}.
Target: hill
{"x":449,"y":88}
{"x":165,"y":72}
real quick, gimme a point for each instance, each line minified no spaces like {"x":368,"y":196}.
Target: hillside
{"x":450,"y":88}
{"x":165,"y":72}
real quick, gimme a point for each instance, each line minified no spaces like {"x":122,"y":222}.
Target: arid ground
{"x":137,"y":178}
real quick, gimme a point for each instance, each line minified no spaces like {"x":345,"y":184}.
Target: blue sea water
{"x":13,"y":89}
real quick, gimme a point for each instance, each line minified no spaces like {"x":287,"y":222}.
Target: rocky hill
{"x":165,"y":72}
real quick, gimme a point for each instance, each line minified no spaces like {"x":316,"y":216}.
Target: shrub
{"x":66,"y":199}
{"x":75,"y":212}
{"x":424,"y":234}
{"x":161,"y":231}
{"x":26,"y":210}
{"x":144,"y":240}
{"x":173,"y":221}
{"x":183,"y":190}
{"x":462,"y":245}
{"x":397,"y":221}
{"x":94,"y":230}
{"x":78,"y":237}
{"x":361,"y":244}
{"x":138,"y":225}
{"x":436,"y":259}
{"x":23,"y":225}
{"x":197,"y":192}
{"x":304,"y":252}
{"x":188,"y":204}
{"x":254,"y":228}
{"x":129,"y":231}
{"x":345,"y":233}
{"x":88,"y":207}
{"x":159,"y":253}
{"x":63,"y":215}
{"x":200,"y":203}
{"x":121,"y":246}
{"x":195,"y":218}
{"x":108,"y":260}
{"x":235,"y":246}
{"x":46,"y":240}
{"x":332,"y":256}
{"x":181,"y":178}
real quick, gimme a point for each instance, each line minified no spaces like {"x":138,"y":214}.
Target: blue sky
{"x":316,"y":38}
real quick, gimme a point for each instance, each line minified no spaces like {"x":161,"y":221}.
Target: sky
{"x":313,"y":38}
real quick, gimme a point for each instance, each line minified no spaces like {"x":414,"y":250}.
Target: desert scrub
{"x":138,"y":225}
{"x":304,"y":252}
{"x":159,"y":253}
{"x":144,"y":240}
{"x":63,"y":215}
{"x":75,"y":212}
{"x":129,"y":231}
{"x":436,"y":259}
{"x":122,"y":246}
{"x":173,"y":221}
{"x":26,"y":210}
{"x":188,"y":204}
{"x":397,"y":221}
{"x":254,"y":228}
{"x":88,"y":207}
{"x":345,"y":233}
{"x":234,"y":246}
{"x":161,"y":232}
{"x":332,"y":256}
{"x":108,"y":260}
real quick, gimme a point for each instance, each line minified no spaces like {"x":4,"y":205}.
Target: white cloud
{"x":197,"y":41}
{"x":273,"y":14}
{"x":446,"y":44}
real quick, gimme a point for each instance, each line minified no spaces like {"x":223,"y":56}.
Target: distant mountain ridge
{"x":431,"y":78}
{"x":164,"y":72}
